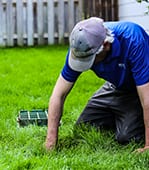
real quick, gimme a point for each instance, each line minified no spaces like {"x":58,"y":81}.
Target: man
{"x":119,"y":53}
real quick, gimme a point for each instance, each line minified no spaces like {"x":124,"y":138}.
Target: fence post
{"x":50,"y":11}
{"x":19,"y":6}
{"x":9,"y":23}
{"x":1,"y":25}
{"x":30,"y":32}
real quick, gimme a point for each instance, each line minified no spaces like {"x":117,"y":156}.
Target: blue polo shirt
{"x":127,"y":65}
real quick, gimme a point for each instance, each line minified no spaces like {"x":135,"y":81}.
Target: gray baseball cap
{"x":85,"y":40}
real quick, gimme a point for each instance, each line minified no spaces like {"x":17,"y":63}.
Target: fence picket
{"x":19,"y":22}
{"x":50,"y":21}
{"x":40,"y":22}
{"x":9,"y":23}
{"x":60,"y":21}
{"x":30,"y":31}
{"x":79,"y":11}
{"x":1,"y":24}
{"x":71,"y":14}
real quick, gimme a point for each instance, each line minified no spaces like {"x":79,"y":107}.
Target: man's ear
{"x":107,"y":46}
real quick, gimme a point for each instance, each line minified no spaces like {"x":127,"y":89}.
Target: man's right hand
{"x":50,"y":142}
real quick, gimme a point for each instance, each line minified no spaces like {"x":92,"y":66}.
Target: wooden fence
{"x":106,"y":9}
{"x":31,"y":22}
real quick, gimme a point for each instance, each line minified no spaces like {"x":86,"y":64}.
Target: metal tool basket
{"x":37,"y":117}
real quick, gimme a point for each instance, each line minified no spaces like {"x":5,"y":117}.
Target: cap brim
{"x":80,"y":64}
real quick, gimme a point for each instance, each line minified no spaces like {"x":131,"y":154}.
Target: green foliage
{"x":142,"y":0}
{"x":147,"y":6}
{"x":27,"y":77}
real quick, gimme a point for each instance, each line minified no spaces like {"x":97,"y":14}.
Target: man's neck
{"x":103,"y":54}
{"x":100,"y":57}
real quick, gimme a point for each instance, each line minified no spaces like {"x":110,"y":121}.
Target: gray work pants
{"x":119,"y":110}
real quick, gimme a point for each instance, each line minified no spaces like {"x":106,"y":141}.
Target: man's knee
{"x":123,"y":138}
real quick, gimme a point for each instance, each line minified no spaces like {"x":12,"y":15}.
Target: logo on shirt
{"x":122,"y":65}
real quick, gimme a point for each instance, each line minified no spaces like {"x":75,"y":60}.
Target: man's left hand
{"x":140,"y":150}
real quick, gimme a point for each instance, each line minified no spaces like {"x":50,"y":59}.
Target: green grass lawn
{"x":27,"y":77}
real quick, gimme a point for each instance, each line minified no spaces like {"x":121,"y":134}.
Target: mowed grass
{"x":27,"y":77}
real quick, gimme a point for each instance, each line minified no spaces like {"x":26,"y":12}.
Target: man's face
{"x":102,"y":53}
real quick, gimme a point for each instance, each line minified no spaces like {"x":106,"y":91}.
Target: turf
{"x":27,"y":77}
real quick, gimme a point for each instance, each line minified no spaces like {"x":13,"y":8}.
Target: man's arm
{"x":61,"y":90}
{"x":143,"y":92}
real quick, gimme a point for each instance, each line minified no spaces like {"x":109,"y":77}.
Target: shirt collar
{"x":115,"y":51}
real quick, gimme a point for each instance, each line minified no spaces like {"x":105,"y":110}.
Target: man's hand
{"x":143,"y":92}
{"x":140,"y":150}
{"x":50,"y":142}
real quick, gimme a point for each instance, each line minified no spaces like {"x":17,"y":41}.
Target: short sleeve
{"x":69,"y":74}
{"x":139,"y":63}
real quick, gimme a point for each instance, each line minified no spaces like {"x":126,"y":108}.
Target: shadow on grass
{"x":94,"y":139}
